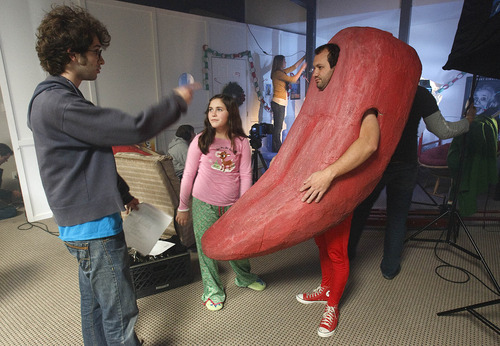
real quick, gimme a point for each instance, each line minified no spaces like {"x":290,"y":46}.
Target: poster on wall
{"x":267,"y":90}
{"x":295,"y":91}
{"x":486,"y":96}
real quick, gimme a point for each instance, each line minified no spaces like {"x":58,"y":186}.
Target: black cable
{"x":251,"y":33}
{"x":467,"y":273}
{"x":29,"y":225}
{"x":263,"y":51}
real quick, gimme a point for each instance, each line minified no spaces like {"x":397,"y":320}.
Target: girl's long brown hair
{"x":235,"y":128}
{"x":277,"y":63}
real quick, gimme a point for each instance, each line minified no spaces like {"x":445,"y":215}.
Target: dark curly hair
{"x":236,"y":91}
{"x":67,"y":29}
{"x":233,"y":120}
{"x":186,"y":132}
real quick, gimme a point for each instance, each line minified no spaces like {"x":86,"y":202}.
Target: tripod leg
{"x":262,"y":160}
{"x":412,"y":237}
{"x":434,"y":203}
{"x":481,"y":258}
{"x":255,"y":164}
{"x":471,"y":308}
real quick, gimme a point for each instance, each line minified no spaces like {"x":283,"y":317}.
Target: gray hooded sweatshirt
{"x":73,"y":140}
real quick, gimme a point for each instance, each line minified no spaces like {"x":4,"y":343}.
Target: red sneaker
{"x":319,"y":295}
{"x":329,"y":321}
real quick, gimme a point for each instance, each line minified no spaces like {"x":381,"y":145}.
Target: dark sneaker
{"x":319,"y":295}
{"x":329,"y":321}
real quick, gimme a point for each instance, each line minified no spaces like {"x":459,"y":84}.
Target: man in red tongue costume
{"x":332,"y":244}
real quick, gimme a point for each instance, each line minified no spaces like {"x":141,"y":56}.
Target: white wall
{"x":9,"y":167}
{"x":267,"y":44}
{"x":150,"y":49}
{"x":432,"y":31}
{"x":433,"y":39}
{"x":19,"y":74}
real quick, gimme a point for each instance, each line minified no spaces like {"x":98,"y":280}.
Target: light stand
{"x":434,"y":203}
{"x":454,"y":223}
{"x":471,"y":309}
{"x":256,"y":154}
{"x":256,"y":143}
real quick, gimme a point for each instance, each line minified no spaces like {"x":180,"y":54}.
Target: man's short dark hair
{"x":185,"y":132}
{"x":5,"y":150}
{"x":65,"y":30}
{"x":333,"y":53}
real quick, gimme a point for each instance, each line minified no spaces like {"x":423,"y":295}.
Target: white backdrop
{"x":150,"y":49}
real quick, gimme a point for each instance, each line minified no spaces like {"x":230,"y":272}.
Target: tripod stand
{"x":454,"y":224}
{"x":256,"y":155}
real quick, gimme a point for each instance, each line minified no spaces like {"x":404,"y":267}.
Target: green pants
{"x":204,"y":216}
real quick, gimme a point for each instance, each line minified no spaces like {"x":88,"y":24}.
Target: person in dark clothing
{"x":7,"y":210}
{"x":400,"y":178}
{"x":73,"y":140}
{"x":178,"y":148}
{"x":7,"y":195}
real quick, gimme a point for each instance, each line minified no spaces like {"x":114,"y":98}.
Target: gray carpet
{"x":39,"y":298}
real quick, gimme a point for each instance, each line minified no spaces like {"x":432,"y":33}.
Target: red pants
{"x":333,"y":258}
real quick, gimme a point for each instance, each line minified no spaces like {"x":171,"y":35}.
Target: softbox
{"x":476,"y":48}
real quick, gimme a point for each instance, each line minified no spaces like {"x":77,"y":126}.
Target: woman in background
{"x":218,"y":171}
{"x":280,"y":78}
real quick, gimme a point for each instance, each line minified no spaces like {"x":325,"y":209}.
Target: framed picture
{"x":486,"y":95}
{"x":267,"y":89}
{"x":295,"y":91}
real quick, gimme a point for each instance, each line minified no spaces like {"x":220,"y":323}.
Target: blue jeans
{"x":108,"y":303}
{"x":399,"y":180}
{"x":278,"y":118}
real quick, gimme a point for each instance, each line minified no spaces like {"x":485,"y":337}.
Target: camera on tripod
{"x":257,"y":132}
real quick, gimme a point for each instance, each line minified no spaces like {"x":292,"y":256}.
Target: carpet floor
{"x":39,"y":296}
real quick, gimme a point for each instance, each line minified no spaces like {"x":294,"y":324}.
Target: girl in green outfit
{"x":218,"y":171}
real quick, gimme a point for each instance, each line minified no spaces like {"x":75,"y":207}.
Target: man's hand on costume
{"x":132,"y":205}
{"x":182,"y":217}
{"x":316,"y":185}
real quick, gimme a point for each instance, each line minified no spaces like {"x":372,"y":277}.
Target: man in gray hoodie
{"x":73,"y":140}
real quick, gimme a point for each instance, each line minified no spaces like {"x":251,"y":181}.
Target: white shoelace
{"x":317,"y":291}
{"x":329,"y":315}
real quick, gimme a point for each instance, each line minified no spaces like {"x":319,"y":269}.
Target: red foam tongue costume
{"x":374,"y":70}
